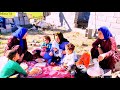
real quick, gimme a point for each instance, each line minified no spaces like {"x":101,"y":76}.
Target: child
{"x":56,"y":53}
{"x":11,"y":67}
{"x":70,"y":57}
{"x":45,"y":47}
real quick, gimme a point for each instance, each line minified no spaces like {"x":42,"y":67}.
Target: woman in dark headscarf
{"x":59,"y":38}
{"x":18,"y":41}
{"x":105,"y":48}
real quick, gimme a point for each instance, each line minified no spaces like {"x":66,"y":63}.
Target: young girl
{"x":12,"y":67}
{"x":70,"y":57}
{"x":45,"y":47}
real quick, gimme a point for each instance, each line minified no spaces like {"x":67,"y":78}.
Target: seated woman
{"x":12,"y":67}
{"x":59,"y":38}
{"x":18,"y":42}
{"x":104,"y":48}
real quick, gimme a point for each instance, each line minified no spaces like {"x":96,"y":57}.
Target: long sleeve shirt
{"x":49,"y":45}
{"x":12,"y":41}
{"x":109,"y":46}
{"x":10,"y":68}
{"x":69,"y":60}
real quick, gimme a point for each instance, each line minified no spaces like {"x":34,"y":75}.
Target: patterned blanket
{"x":49,"y":71}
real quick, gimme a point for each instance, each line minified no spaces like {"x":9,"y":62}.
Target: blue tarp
{"x":2,"y":20}
{"x":84,"y":16}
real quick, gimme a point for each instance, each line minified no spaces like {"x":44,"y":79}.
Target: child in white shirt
{"x":70,"y":57}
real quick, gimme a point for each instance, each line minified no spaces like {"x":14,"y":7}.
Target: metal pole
{"x":95,"y":27}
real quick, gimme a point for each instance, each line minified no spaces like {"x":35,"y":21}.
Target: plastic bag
{"x":84,"y":59}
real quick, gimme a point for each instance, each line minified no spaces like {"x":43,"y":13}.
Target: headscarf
{"x":61,"y":37}
{"x":107,"y":34}
{"x":19,"y":34}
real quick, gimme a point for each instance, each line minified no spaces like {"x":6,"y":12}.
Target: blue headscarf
{"x":107,"y":34}
{"x":19,"y":34}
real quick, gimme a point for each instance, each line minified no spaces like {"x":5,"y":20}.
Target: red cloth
{"x":49,"y":72}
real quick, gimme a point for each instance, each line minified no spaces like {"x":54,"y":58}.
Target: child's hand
{"x":44,"y":47}
{"x":33,"y":52}
{"x":64,"y":64}
{"x":52,"y":63}
{"x":51,"y":54}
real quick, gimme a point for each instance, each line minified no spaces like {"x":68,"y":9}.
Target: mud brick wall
{"x":109,"y":19}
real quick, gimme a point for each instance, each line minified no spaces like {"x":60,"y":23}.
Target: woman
{"x":18,"y":41}
{"x":105,"y":49}
{"x":59,"y":38}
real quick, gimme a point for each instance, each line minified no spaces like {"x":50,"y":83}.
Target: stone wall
{"x":109,"y":19}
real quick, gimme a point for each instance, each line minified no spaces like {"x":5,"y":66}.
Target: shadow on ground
{"x":43,"y":32}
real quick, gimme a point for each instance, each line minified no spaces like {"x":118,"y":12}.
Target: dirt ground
{"x":81,"y":42}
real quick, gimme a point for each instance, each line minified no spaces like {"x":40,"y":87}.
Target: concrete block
{"x":115,"y":25}
{"x":114,"y":31}
{"x":111,"y":19}
{"x":101,"y":18}
{"x":118,"y":20}
{"x":101,"y":23}
{"x":105,"y":13}
{"x":117,"y":14}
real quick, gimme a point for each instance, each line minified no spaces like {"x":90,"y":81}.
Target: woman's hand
{"x":63,"y":52}
{"x":101,"y":57}
{"x":21,"y":57}
{"x":100,"y":50}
